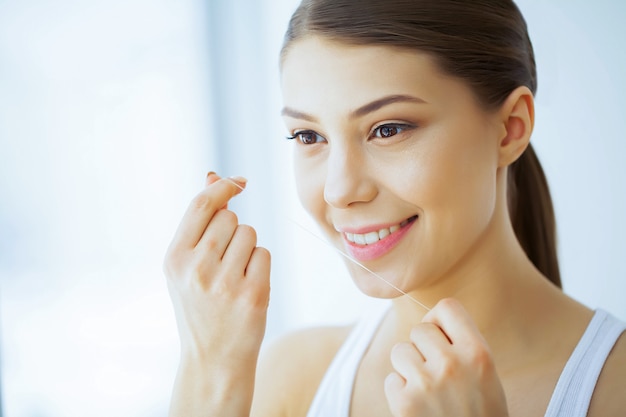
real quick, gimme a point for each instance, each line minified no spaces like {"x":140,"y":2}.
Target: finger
{"x":430,"y":341}
{"x":239,"y":250}
{"x":406,"y":359}
{"x":201,"y":210}
{"x":218,"y":234}
{"x":258,"y":276}
{"x":239,"y":182}
{"x":454,"y":321}
{"x":211,"y":177}
{"x":394,"y":384}
{"x":259,"y":264}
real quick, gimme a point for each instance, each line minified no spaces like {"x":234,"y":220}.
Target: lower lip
{"x":378,"y":249}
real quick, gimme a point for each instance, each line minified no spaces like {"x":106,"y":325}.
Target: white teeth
{"x":373,"y":237}
{"x":383,"y":233}
{"x":359,"y":239}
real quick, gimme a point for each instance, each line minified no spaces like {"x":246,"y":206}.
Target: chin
{"x":371,"y":285}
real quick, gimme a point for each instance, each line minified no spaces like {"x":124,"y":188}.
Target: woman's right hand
{"x":218,"y":281}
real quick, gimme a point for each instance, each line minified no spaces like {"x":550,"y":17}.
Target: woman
{"x":412,"y":122}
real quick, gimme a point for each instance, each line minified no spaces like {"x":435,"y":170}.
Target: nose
{"x":347,"y":178}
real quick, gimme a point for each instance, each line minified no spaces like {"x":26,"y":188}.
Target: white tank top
{"x":571,"y":396}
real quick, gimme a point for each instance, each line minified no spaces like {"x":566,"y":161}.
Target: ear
{"x":517,"y":116}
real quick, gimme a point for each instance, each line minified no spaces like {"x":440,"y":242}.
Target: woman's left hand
{"x":445,"y":370}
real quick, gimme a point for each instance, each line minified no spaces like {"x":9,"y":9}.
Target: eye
{"x":389,"y":130}
{"x":307,"y":137}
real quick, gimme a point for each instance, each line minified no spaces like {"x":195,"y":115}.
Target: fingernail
{"x":240,"y":181}
{"x":211,"y":177}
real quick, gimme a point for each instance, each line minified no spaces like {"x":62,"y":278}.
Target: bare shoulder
{"x":291,"y":368}
{"x":608,"y":397}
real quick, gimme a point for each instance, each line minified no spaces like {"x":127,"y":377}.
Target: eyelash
{"x":298,"y":135}
{"x":399,"y":127}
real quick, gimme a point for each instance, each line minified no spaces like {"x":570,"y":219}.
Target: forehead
{"x":326,"y":71}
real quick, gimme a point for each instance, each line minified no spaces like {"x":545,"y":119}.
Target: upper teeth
{"x":373,"y":237}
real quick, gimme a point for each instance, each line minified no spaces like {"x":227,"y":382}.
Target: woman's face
{"x":395,"y":161}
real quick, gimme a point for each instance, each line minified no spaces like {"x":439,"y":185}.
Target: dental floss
{"x":345,"y":255}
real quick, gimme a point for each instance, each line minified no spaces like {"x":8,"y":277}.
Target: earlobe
{"x":518,"y":119}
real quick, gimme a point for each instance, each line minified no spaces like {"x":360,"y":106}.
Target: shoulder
{"x":608,"y":398}
{"x":291,"y":368}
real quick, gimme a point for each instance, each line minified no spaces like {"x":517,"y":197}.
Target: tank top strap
{"x":334,"y":393}
{"x":574,"y":389}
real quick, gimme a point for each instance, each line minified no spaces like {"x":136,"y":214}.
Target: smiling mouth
{"x":375,"y":236}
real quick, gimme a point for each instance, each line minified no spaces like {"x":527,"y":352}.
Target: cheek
{"x":452,"y":177}
{"x":309,"y":180}
{"x":464,"y":187}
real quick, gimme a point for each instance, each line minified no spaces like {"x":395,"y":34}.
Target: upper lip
{"x":361,"y":230}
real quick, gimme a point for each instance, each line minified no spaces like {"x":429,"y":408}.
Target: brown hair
{"x":483,"y":42}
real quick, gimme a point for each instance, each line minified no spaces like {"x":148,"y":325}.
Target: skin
{"x":498,"y":332}
{"x":219,"y":284}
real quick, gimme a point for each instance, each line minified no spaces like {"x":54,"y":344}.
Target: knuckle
{"x":416,"y":333}
{"x":202,"y":201}
{"x":229,"y":217}
{"x":423,"y":331}
{"x":449,"y":367}
{"x":247,"y":232}
{"x":198,"y":271}
{"x":211,"y":243}
{"x":257,"y":298}
{"x":448,"y":303}
{"x":263,"y":254}
{"x":395,"y":350}
{"x":399,"y":350}
{"x":393,"y":383}
{"x":262,"y":260}
{"x":203,"y":273}
{"x":222,"y":289}
{"x":480,"y":357}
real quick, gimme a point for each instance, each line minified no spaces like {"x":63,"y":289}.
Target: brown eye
{"x":387,"y":131}
{"x":307,"y":137}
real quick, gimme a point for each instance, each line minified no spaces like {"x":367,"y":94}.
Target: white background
{"x":111,"y":112}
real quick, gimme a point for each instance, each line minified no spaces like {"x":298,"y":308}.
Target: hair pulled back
{"x":485,"y":43}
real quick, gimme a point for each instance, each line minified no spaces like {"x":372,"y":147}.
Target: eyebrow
{"x":361,"y":111}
